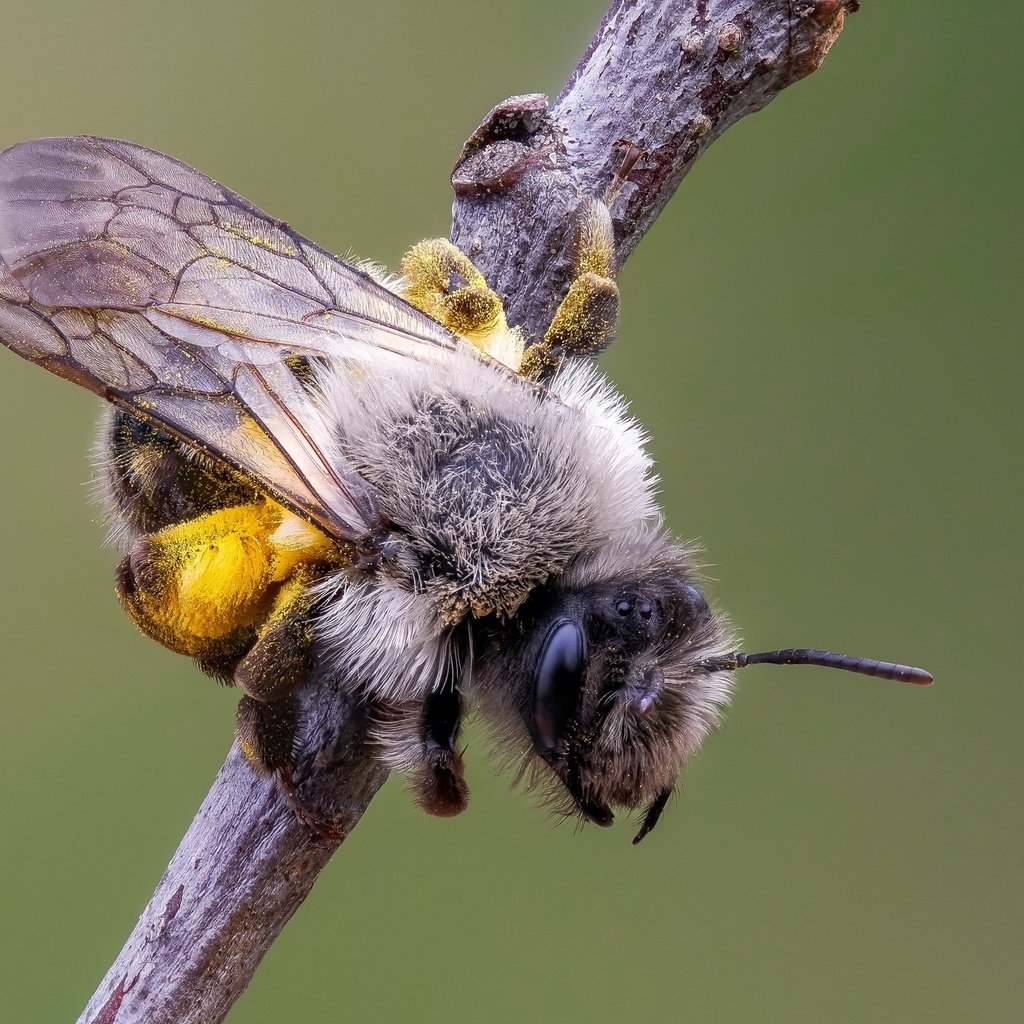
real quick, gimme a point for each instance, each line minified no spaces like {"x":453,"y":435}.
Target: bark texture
{"x":661,"y":80}
{"x":659,"y":83}
{"x":241,"y":871}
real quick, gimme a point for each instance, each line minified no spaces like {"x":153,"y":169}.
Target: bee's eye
{"x":559,"y":677}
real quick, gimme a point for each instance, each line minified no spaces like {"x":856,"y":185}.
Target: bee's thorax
{"x":490,"y":486}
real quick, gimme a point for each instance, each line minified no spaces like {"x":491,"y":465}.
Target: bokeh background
{"x":822,"y":333}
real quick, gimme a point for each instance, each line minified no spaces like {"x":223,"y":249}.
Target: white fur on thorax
{"x":377,"y":629}
{"x":614,"y":444}
{"x":386,"y":640}
{"x":579,"y":411}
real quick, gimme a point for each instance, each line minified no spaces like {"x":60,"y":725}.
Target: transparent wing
{"x":172,"y":297}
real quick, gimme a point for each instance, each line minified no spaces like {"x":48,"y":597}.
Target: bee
{"x":307,"y":462}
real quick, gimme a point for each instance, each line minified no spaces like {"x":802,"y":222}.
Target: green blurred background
{"x":822,"y":333}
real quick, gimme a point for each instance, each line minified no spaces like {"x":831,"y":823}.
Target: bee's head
{"x":611,"y":686}
{"x":610,"y":676}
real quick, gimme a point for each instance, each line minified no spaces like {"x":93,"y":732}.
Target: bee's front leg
{"x":438,"y":783}
{"x":420,"y":738}
{"x":588,"y":317}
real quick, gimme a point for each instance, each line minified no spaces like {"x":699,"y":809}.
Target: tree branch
{"x":660,"y":81}
{"x":241,"y":871}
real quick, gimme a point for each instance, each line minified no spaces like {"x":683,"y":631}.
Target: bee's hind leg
{"x":269,"y":673}
{"x":267,"y":718}
{"x":281,"y":658}
{"x":266,"y":733}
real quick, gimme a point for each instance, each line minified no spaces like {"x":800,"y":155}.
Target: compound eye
{"x":557,"y":684}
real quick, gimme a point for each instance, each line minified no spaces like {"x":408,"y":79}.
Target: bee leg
{"x":438,"y":783}
{"x":588,"y":317}
{"x":269,"y":673}
{"x":267,"y":718}
{"x":138,"y":588}
{"x":221,"y":665}
{"x":280,"y":659}
{"x":419,"y":738}
{"x":199,"y":586}
{"x":266,"y":734}
{"x":442,"y":281}
{"x":202,"y":586}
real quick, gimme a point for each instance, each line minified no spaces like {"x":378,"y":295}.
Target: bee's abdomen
{"x":153,"y":483}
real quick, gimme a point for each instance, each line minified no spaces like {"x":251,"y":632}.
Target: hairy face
{"x":601,"y":681}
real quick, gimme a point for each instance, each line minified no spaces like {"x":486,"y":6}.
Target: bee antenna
{"x":825,"y":659}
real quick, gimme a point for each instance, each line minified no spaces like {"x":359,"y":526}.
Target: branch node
{"x":730,"y":37}
{"x":824,"y":20}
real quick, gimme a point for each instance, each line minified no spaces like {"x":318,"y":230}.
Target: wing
{"x":174,"y":298}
